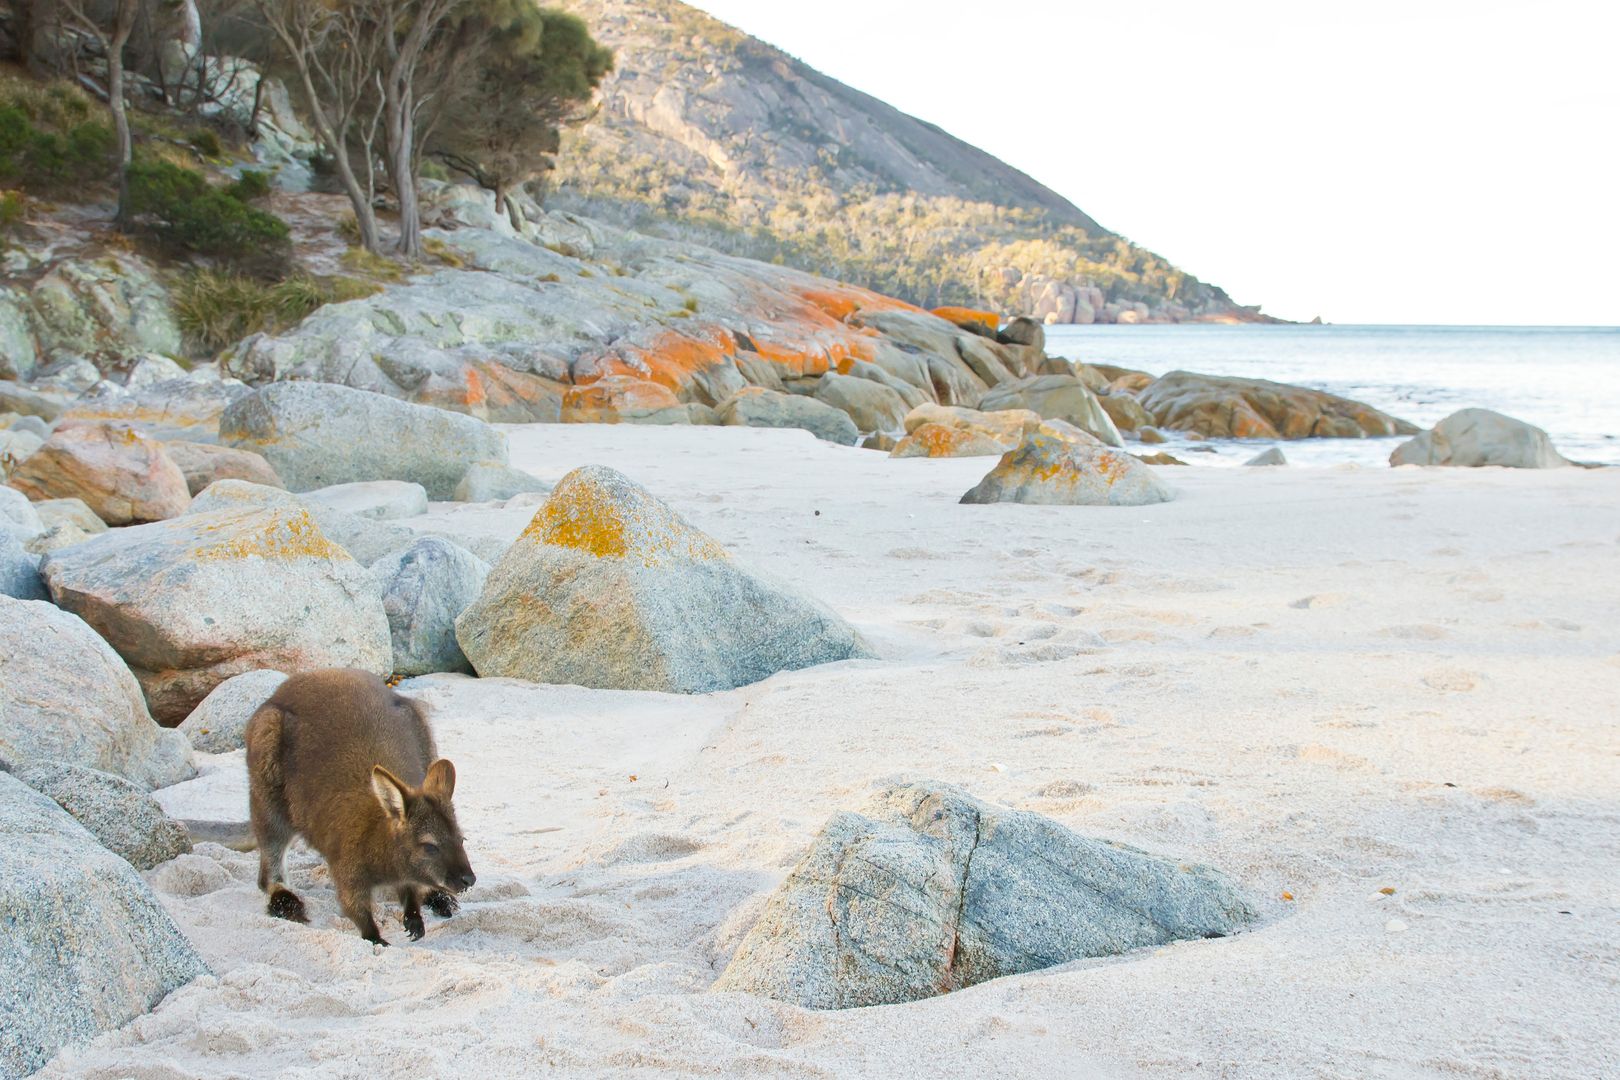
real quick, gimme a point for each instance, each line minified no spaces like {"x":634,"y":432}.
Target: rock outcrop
{"x":186,"y":409}
{"x":123,"y":818}
{"x":424,"y":589}
{"x":218,"y":724}
{"x":86,"y":948}
{"x":926,"y":890}
{"x":118,"y":472}
{"x":1477,"y":437}
{"x":1055,"y":397}
{"x":755,"y":406}
{"x":319,"y":434}
{"x":622,"y":399}
{"x":1218,"y":407}
{"x":872,"y":405}
{"x":65,"y":696}
{"x":190,"y":602}
{"x":609,"y":588}
{"x":1049,"y":469}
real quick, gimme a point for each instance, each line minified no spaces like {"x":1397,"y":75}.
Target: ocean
{"x":1563,"y":379}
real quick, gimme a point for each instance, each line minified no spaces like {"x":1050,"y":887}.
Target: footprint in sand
{"x":1063,"y":789}
{"x":1418,"y":632}
{"x":1233,"y":632}
{"x":1320,"y":600}
{"x":1452,"y":680}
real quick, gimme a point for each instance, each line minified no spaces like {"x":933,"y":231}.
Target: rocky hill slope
{"x":705,"y":133}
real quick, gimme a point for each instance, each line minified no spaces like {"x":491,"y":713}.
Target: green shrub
{"x":193,"y":215}
{"x":251,"y":186}
{"x":38,"y":158}
{"x":207,"y":143}
{"x":217,"y":309}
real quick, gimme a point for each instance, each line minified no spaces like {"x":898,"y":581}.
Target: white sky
{"x":1426,"y":161}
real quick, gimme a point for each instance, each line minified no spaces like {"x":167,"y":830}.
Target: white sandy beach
{"x":1329,"y":683}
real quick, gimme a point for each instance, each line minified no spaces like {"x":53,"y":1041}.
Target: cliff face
{"x":705,"y":133}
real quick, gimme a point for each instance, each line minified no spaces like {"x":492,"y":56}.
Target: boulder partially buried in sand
{"x":218,"y":724}
{"x":755,"y":406}
{"x":118,"y":472}
{"x":609,"y":588}
{"x":86,"y":948}
{"x":190,"y":602}
{"x":66,"y":696}
{"x":1056,"y":397}
{"x":1050,"y":469}
{"x":319,"y":434}
{"x":126,"y":820}
{"x":926,"y":890}
{"x":947,"y":431}
{"x":424,"y":588}
{"x":1479,"y":437}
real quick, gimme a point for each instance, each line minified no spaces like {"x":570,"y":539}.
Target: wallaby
{"x":340,"y":758}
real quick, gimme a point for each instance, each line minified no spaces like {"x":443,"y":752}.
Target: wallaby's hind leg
{"x":355,"y":900}
{"x":442,"y":903}
{"x":410,"y":898}
{"x":267,"y":808}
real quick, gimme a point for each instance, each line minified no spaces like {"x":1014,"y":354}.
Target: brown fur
{"x":340,"y":758}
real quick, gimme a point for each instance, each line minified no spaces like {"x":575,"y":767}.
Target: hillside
{"x":704,"y":133}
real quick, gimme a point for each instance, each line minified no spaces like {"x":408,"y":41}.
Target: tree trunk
{"x":402,"y":166}
{"x":120,"y":113}
{"x":364,"y":216}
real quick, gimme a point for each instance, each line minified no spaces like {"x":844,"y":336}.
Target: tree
{"x":336,"y":57}
{"x":111,"y":30}
{"x":539,"y":69}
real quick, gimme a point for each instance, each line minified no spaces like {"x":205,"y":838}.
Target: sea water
{"x":1565,"y":380}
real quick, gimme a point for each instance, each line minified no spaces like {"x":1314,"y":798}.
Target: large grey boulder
{"x":927,"y":889}
{"x":379,"y":500}
{"x":112,"y":307}
{"x":86,"y":947}
{"x":19,"y":570}
{"x":424,"y":588}
{"x":870,"y":404}
{"x":116,"y":470}
{"x":1270,"y":456}
{"x":204,"y":463}
{"x":1478,"y":437}
{"x":609,"y":588}
{"x":1055,"y":397}
{"x":218,"y":724}
{"x":318,"y":434}
{"x":490,"y":481}
{"x":365,"y":539}
{"x":66,"y":696}
{"x":1048,"y":468}
{"x":190,"y":602}
{"x":755,"y":406}
{"x":126,"y":820}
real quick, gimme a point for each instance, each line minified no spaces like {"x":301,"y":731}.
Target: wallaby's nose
{"x":467,"y":879}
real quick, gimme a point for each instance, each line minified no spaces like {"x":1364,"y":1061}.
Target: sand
{"x":1385,"y":701}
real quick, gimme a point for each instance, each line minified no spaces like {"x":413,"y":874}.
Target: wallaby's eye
{"x":430,"y":849}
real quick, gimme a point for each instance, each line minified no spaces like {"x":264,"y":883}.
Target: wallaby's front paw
{"x":442,"y":904}
{"x":285,"y":904}
{"x":414,"y":926}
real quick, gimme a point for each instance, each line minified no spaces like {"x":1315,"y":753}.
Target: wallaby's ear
{"x":441,"y":780}
{"x":390,"y":791}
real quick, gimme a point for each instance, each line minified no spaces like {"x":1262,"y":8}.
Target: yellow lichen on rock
{"x":598,"y":513}
{"x":280,"y":534}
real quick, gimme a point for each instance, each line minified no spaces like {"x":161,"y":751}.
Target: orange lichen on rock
{"x":613,"y":398}
{"x":962,"y":316}
{"x":281,"y":534}
{"x":944,"y":441}
{"x":606,"y":517}
{"x":672,"y":357}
